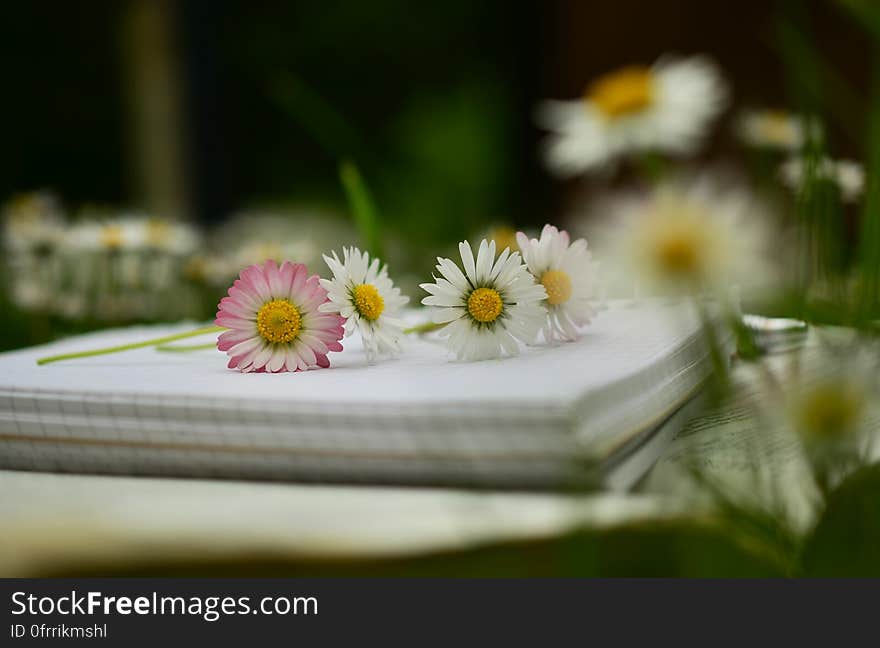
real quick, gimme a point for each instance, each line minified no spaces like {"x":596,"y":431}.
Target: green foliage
{"x":362,"y":207}
{"x":846,"y":540}
{"x":452,"y":163}
{"x":675,"y":548}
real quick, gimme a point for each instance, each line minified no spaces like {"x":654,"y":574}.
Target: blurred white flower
{"x":33,"y":222}
{"x":667,"y":107}
{"x":106,"y":234}
{"x":830,"y":400}
{"x":568,"y":273}
{"x":775,"y":129}
{"x":689,"y":236}
{"x":847,"y":175}
{"x":30,"y":293}
{"x":170,"y":237}
{"x":504,"y":237}
{"x":253,"y":237}
{"x":126,"y":266}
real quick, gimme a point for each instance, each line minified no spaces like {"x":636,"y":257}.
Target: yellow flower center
{"x":558,"y":286}
{"x":829,"y":411}
{"x":278,"y":321}
{"x":624,"y":92}
{"x":679,"y":256}
{"x":504,"y":237}
{"x":111,"y":236}
{"x":196,"y":269}
{"x":158,"y":232}
{"x":777,"y":126}
{"x":368,"y":301}
{"x":484,"y":305}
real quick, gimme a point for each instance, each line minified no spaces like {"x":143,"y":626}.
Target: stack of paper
{"x":545,"y":418}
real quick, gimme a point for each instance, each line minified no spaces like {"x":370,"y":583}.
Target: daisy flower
{"x":690,"y":237}
{"x":828,"y":394}
{"x":775,"y":129}
{"x":848,"y":176}
{"x":504,"y":237}
{"x":362,"y":293}
{"x":253,"y":236}
{"x":666,"y":107}
{"x":488,"y":308}
{"x":275,"y":322}
{"x":33,"y":222}
{"x":126,"y":233}
{"x":170,"y":237}
{"x":568,"y":274}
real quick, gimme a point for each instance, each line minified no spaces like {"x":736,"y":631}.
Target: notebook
{"x":593,"y":409}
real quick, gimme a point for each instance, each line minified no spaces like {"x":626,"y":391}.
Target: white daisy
{"x":568,"y":273}
{"x":692,"y":236}
{"x":666,"y":107}
{"x":362,"y":293}
{"x":126,"y":233}
{"x":33,"y":222}
{"x":847,"y":175}
{"x":829,"y":397}
{"x":490,"y":307}
{"x":775,"y":129}
{"x":169,"y":236}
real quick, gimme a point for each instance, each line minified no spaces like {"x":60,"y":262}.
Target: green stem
{"x":174,"y":348}
{"x":135,"y":345}
{"x":716,"y":351}
{"x":426,"y":327}
{"x":363,"y":208}
{"x":651,"y":167}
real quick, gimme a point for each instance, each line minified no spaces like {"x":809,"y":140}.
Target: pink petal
{"x":317,"y":345}
{"x":245,"y":358}
{"x":323,"y":321}
{"x":276,"y":361}
{"x":256,"y":281}
{"x":229,"y":339}
{"x":246,"y":347}
{"x":262,"y":357}
{"x":304,"y":351}
{"x":286,"y":273}
{"x":300,"y":274}
{"x":294,"y":361}
{"x":242,"y":293}
{"x":236,"y":308}
{"x":273,"y":278}
{"x":327,"y":335}
{"x":313,"y":294}
{"x":230,"y":321}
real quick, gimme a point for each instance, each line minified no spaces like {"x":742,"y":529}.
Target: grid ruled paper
{"x":420,"y":418}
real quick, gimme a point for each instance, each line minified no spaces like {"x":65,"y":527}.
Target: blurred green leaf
{"x":865,"y":12}
{"x":869,"y":237}
{"x":816,"y":86}
{"x":846,"y":540}
{"x":674,"y":548}
{"x":454,"y":166}
{"x":363,"y":209}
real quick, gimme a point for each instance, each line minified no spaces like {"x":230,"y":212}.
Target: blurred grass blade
{"x":869,"y":239}
{"x":865,"y":12}
{"x":362,"y":207}
{"x":816,"y":87}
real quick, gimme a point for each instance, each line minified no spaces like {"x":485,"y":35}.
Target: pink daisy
{"x":273,"y":320}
